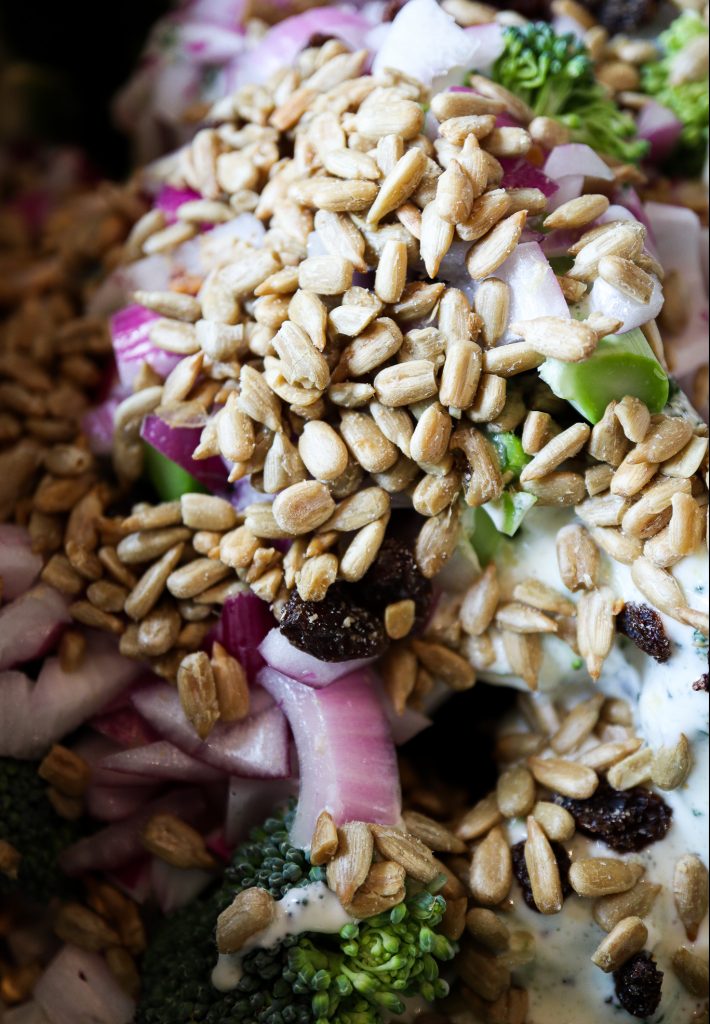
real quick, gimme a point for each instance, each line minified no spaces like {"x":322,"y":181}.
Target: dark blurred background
{"x":60,"y":64}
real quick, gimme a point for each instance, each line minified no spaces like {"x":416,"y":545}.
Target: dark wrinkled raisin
{"x":638,"y":985}
{"x":643,"y":625}
{"x":622,"y":15}
{"x":334,"y":629}
{"x":520,"y":869}
{"x":626,"y":820}
{"x":702,"y":684}
{"x":395,"y":576}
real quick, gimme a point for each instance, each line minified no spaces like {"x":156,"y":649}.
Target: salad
{"x":354,"y":412}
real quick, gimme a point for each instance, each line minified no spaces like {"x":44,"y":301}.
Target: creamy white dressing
{"x":308,"y":908}
{"x":564,"y":986}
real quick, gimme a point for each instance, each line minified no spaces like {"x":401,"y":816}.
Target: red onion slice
{"x":534,"y":289}
{"x":425,"y":42}
{"x":280,"y":654}
{"x":19,"y":565}
{"x":576,"y":158}
{"x":124,"y":726}
{"x":62,"y":701}
{"x":250,"y":801}
{"x":243,"y":624}
{"x":16,"y":735}
{"x":660,"y":127}
{"x":346,"y":757}
{"x":115,"y":803}
{"x":169,"y":200}
{"x":97,"y":424}
{"x":31,"y":624}
{"x":178,"y":444}
{"x":162,"y":761}
{"x":256,"y":747}
{"x":175,"y":887}
{"x":120,"y":843}
{"x":130,"y":332}
{"x":606,"y":299}
{"x":78,"y":988}
{"x":679,"y":240}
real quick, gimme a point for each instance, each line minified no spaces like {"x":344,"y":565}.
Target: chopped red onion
{"x":534,"y":289}
{"x":16,"y":736}
{"x":97,"y":424}
{"x":130,"y":333}
{"x":281,"y":655}
{"x":346,"y":755}
{"x":115,"y":803}
{"x":282,"y":43}
{"x":570,"y":187}
{"x":426,"y":43}
{"x":178,"y":444}
{"x":243,"y":624}
{"x":124,"y":726}
{"x":78,"y":988}
{"x":565,"y":24}
{"x":62,"y":701}
{"x":121,"y":843}
{"x":163,"y":761}
{"x":133,"y":879}
{"x":169,"y":200}
{"x":19,"y":564}
{"x":30,"y":625}
{"x":149,"y":274}
{"x":256,"y":747}
{"x":250,"y":801}
{"x":606,"y":299}
{"x":660,"y":127}
{"x":175,"y":887}
{"x":521,"y":173}
{"x":680,"y":242}
{"x":576,"y":158}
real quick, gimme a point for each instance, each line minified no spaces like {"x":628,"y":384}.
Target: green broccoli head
{"x":29,"y":823}
{"x":554,"y":75}
{"x":351,"y":978}
{"x":688,"y":100}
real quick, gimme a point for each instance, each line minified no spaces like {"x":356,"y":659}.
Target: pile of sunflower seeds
{"x":338,"y":398}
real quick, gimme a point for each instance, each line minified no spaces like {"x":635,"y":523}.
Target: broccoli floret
{"x":29,"y":823}
{"x":554,"y":75}
{"x":688,"y":100}
{"x":351,"y":978}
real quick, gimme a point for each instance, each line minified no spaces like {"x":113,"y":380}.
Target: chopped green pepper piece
{"x":622,"y":364}
{"x":169,"y":480}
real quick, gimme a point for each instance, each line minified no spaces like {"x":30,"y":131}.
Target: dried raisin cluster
{"x":334,"y":629}
{"x":348,"y":622}
{"x":643,"y":625}
{"x":520,"y":869}
{"x":394,"y":576}
{"x":638,"y":985}
{"x":626,"y":820}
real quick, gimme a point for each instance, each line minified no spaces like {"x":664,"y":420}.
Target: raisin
{"x":334,"y":629}
{"x":622,"y":15}
{"x":643,"y":625}
{"x":638,"y":985}
{"x":395,"y":576}
{"x":520,"y":869}
{"x":701,"y":685}
{"x":626,"y":820}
